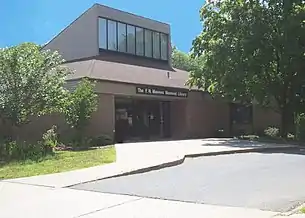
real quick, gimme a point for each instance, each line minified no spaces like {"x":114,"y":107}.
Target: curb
{"x":181,"y":160}
{"x":242,"y":151}
{"x":138,"y":171}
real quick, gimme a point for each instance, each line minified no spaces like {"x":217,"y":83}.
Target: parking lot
{"x":268,"y":181}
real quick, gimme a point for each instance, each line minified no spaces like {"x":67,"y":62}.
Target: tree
{"x":82,"y":102}
{"x":31,"y":83}
{"x":184,"y":61}
{"x":254,"y":49}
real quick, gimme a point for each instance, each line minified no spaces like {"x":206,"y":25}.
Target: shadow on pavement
{"x":238,"y":143}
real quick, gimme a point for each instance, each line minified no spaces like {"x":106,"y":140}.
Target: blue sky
{"x":39,"y":20}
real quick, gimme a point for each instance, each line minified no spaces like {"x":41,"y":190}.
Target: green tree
{"x":31,"y":83}
{"x":254,"y":49}
{"x":82,"y":102}
{"x":187,"y":62}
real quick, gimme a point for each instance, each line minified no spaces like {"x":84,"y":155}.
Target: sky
{"x":40,"y":20}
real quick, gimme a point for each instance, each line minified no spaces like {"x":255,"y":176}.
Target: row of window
{"x":116,"y":36}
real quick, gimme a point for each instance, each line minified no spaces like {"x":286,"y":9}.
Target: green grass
{"x":302,"y":210}
{"x":60,"y":162}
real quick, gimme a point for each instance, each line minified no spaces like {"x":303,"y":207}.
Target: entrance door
{"x":142,"y":119}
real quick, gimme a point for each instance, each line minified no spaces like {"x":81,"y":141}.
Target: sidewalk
{"x":145,"y":156}
{"x":22,"y":201}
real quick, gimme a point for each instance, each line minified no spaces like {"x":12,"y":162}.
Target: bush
{"x":49,"y":139}
{"x":21,"y":150}
{"x":272,"y":132}
{"x":300,"y":127}
{"x":102,"y":140}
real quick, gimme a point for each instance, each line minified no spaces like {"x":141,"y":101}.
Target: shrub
{"x":300,"y":127}
{"x":21,"y":150}
{"x":101,"y":141}
{"x":272,"y":132}
{"x":49,"y":139}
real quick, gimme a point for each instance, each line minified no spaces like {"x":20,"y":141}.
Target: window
{"x":156,"y":45}
{"x":131,"y":39}
{"x":112,"y":34}
{"x":241,"y":114}
{"x":164,"y":46}
{"x":140,"y":41}
{"x":102,"y":37}
{"x":122,"y":37}
{"x":148,"y":43}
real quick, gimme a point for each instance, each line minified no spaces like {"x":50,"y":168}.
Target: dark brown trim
{"x":101,"y":50}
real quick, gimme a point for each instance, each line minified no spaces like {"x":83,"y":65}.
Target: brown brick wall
{"x":178,"y":119}
{"x":205,"y":115}
{"x":103,"y":120}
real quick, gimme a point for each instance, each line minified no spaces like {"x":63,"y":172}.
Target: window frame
{"x":135,"y":26}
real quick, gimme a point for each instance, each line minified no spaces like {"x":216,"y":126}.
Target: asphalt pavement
{"x":267,"y":181}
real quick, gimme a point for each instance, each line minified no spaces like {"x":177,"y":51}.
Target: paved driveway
{"x":268,"y":181}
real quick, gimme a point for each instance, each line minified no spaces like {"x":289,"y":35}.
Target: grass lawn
{"x":60,"y":162}
{"x":303,"y":210}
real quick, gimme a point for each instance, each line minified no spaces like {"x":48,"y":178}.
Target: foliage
{"x":300,"y":127}
{"x":101,"y":141}
{"x":49,"y":138}
{"x":272,"y":132}
{"x":302,"y":210}
{"x":184,"y":61}
{"x":16,"y":150}
{"x":61,"y":161}
{"x":82,"y":102}
{"x":253,"y":50}
{"x":22,"y":150}
{"x":31,"y":82}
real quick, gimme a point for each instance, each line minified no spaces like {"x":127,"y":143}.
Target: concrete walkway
{"x":145,"y":156}
{"x":27,"y":201}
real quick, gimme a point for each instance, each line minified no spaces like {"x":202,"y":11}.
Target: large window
{"x":102,"y":33}
{"x":156,"y":45}
{"x":120,"y":37}
{"x":164,"y":47}
{"x":140,"y":41}
{"x":148,"y":43}
{"x":131,"y":39}
{"x":241,"y":114}
{"x":112,"y":34}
